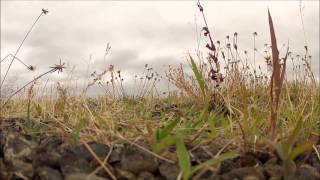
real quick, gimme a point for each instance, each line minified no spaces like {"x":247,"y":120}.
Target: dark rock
{"x":83,"y":176}
{"x":246,"y":173}
{"x":314,"y":160}
{"x":77,"y":158}
{"x":275,"y":178}
{"x":229,"y":164}
{"x":49,"y":149}
{"x":206,"y":174}
{"x":305,"y":172}
{"x":169,"y":171}
{"x":115,"y":155}
{"x":273,"y":171}
{"x":263,"y":157}
{"x":136,"y":160}
{"x":70,"y":163}
{"x":51,"y":142}
{"x":46,"y":173}
{"x":200,"y":155}
{"x":123,"y":174}
{"x":18,"y":153}
{"x":145,"y":176}
{"x":22,"y":168}
{"x":17,"y":147}
{"x":4,"y":174}
{"x":11,"y":125}
{"x":48,"y":157}
{"x":101,"y":150}
{"x":155,"y":114}
{"x":249,"y":160}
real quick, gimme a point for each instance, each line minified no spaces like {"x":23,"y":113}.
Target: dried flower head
{"x":200,"y":7}
{"x":31,"y":68}
{"x":44,"y":11}
{"x":58,"y":67}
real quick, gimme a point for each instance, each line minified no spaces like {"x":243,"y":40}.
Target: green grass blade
{"x":199,"y":78}
{"x":294,"y":136}
{"x":170,"y":140}
{"x":166,"y":131}
{"x":299,"y":149}
{"x":184,"y":159}
{"x":212,"y":126}
{"x":215,"y":161}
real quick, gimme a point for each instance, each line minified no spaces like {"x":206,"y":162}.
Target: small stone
{"x":18,"y":153}
{"x":115,"y":155}
{"x":249,"y":160}
{"x":272,"y":161}
{"x":169,"y":171}
{"x":242,"y":173}
{"x":314,"y":160}
{"x":228,"y":165}
{"x":123,"y":174}
{"x":4,"y":174}
{"x":251,"y":178}
{"x":77,"y":158}
{"x":200,"y":155}
{"x":23,"y":168}
{"x":48,"y":157}
{"x":73,"y":164}
{"x":46,"y":173}
{"x":83,"y":176}
{"x":273,"y":170}
{"x":136,"y":160}
{"x":275,"y":178}
{"x":305,"y":172}
{"x":50,"y":142}
{"x":263,"y":157}
{"x":155,"y":114}
{"x":101,"y":150}
{"x":17,"y":147}
{"x":145,"y":176}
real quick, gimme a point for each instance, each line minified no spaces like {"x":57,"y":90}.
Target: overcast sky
{"x":157,"y":33}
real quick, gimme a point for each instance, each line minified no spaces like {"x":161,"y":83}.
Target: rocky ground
{"x":49,"y":157}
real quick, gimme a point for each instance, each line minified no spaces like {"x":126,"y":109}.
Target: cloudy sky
{"x":157,"y":33}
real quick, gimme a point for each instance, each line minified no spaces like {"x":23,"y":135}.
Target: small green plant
{"x":163,"y":139}
{"x":286,"y":150}
{"x":185,"y":163}
{"x":77,"y":129}
{"x":204,"y":91}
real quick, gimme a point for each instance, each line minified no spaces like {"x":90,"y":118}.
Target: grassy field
{"x":238,"y":107}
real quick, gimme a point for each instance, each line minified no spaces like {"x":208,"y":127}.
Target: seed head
{"x":44,"y":11}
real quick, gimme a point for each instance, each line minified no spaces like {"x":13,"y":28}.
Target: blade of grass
{"x":299,"y":149}
{"x":184,"y":159}
{"x":216,"y":160}
{"x":276,"y":79}
{"x":199,"y":78}
{"x":164,"y":143}
{"x":160,"y":135}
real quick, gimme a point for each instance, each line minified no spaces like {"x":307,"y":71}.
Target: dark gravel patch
{"x":49,"y":157}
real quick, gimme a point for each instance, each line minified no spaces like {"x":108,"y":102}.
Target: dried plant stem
{"x":276,"y":78}
{"x":146,"y":150}
{"x":17,"y":51}
{"x":16,"y":92}
{"x":102,"y":164}
{"x":2,"y":60}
